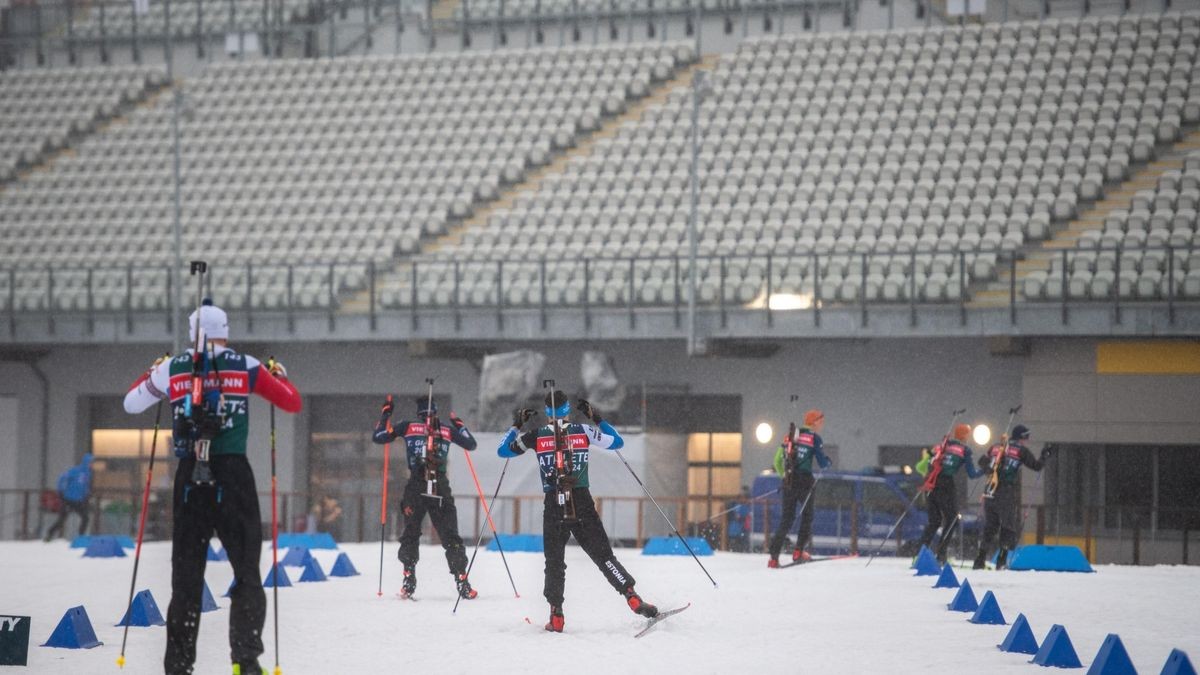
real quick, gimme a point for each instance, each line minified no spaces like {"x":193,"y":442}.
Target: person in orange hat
{"x":942,"y":498}
{"x":793,"y":462}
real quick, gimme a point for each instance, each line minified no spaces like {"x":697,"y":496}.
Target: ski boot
{"x":1002,"y":559}
{"x":801,"y":556}
{"x":251,"y":668}
{"x":773,"y":562}
{"x":410,"y":583}
{"x":557,"y":621}
{"x":464,"y":588}
{"x":979,"y":561}
{"x":638,"y":605}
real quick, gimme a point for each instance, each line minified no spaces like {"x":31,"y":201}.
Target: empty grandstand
{"x":883,"y":223}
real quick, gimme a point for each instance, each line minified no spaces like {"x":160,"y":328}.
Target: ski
{"x":651,"y":623}
{"x":821,"y":559}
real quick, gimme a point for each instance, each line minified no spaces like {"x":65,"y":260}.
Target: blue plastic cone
{"x":989,"y":611}
{"x":342,"y":567}
{"x":1057,"y":650}
{"x":1178,"y":663}
{"x":312,"y":571}
{"x":928,"y":568}
{"x":926,"y":564}
{"x":947,"y":579}
{"x":920,"y":554}
{"x":964,"y":599}
{"x":207,"y":602}
{"x":229,"y":591}
{"x":74,"y":631}
{"x":1020,"y":639}
{"x":104,"y":547}
{"x":297,"y":556}
{"x":280,"y":572}
{"x":143,"y":611}
{"x":1112,"y":659}
{"x":215,"y":555}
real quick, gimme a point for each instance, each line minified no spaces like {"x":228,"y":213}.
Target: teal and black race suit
{"x":570,"y":453}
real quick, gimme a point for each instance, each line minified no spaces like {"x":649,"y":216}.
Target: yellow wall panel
{"x":1152,"y":357}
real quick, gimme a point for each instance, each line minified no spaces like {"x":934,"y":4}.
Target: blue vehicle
{"x":863,"y":505}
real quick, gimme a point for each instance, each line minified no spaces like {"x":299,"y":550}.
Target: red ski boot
{"x":800,"y":556}
{"x":773,"y":563}
{"x":464,"y":588}
{"x":638,"y":605}
{"x":557,"y":621}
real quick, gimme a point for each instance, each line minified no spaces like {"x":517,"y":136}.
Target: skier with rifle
{"x":939,"y":470}
{"x":214,"y":485}
{"x":427,"y":442}
{"x":793,"y":462}
{"x":562,"y":449}
{"x":1004,"y":461}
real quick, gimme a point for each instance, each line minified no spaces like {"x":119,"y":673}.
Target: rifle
{"x":564,"y":458}
{"x":202,"y":427}
{"x":432,"y":436}
{"x":994,"y":480}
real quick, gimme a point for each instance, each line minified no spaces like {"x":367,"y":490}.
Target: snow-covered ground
{"x":831,"y":617}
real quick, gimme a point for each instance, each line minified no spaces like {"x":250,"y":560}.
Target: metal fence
{"x":1106,"y":534}
{"x":420,"y":288}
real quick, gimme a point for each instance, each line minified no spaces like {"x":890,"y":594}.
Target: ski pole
{"x":137,"y":552}
{"x":811,"y":490}
{"x":894,"y":526}
{"x":479,"y":540}
{"x":953,"y":419}
{"x":487,"y":511}
{"x":274,"y":532}
{"x":750,"y":501}
{"x":674,"y":529}
{"x":387,"y":451}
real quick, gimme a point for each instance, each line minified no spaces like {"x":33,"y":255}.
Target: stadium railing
{"x":610,"y":286}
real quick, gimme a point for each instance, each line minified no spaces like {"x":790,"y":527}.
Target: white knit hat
{"x":213,"y":320}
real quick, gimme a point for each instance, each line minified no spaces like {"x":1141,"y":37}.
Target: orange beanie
{"x":812,"y":417}
{"x":962,"y":432}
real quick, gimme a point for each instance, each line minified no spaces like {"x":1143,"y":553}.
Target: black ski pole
{"x":479,"y":541}
{"x":137,"y":554}
{"x":953,"y":419}
{"x":674,"y":529}
{"x":750,"y":501}
{"x":894,"y":526}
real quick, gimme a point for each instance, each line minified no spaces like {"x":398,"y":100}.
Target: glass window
{"x":833,"y":493}
{"x":1178,"y":496}
{"x":1128,"y":484}
{"x":879,"y":498}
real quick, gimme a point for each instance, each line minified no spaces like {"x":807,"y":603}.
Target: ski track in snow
{"x":836,"y":617}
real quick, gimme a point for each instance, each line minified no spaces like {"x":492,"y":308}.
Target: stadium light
{"x":764,"y":433}
{"x":981,"y":434}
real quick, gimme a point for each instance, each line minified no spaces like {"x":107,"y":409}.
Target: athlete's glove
{"x":588,"y":411}
{"x":521,"y":416}
{"x":388,"y":406}
{"x":1047,"y":452}
{"x":456,"y":421}
{"x":276,"y":368}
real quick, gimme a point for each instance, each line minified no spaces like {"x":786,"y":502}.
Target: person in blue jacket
{"x":74,"y":486}
{"x":561,"y":448}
